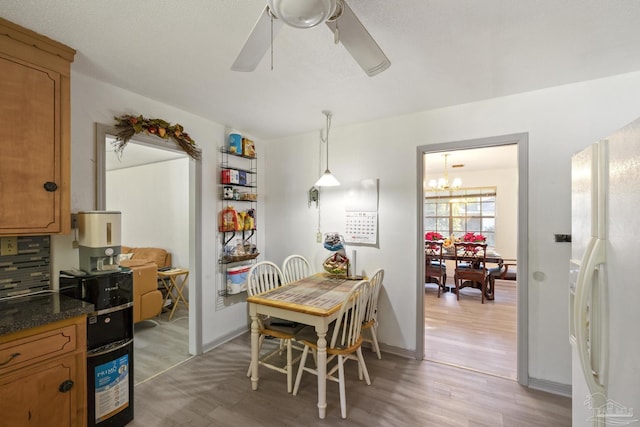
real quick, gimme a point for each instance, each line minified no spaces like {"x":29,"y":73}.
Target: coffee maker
{"x":99,"y":241}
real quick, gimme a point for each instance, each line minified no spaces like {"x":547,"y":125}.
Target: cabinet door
{"x":30,"y":144}
{"x":35,"y":398}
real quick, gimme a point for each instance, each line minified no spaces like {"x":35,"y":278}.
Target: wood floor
{"x":472,"y":335}
{"x":213,"y":390}
{"x":160,"y":344}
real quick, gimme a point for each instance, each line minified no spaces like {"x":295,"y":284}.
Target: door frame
{"x":522,"y":142}
{"x":194,"y":215}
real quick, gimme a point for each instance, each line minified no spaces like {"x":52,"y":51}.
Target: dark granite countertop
{"x":30,"y":311}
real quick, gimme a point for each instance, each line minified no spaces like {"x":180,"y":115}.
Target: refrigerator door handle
{"x":593,"y":257}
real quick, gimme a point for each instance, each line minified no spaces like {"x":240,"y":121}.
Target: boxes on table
{"x":230,"y":176}
{"x":237,"y":279}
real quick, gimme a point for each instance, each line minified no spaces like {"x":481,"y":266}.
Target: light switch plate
{"x":8,"y":246}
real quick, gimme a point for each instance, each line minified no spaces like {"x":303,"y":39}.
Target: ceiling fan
{"x":338,"y":16}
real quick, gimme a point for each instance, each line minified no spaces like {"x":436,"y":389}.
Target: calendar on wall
{"x":361,"y":227}
{"x":361,"y":213}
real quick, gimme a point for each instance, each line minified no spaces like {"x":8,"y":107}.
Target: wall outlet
{"x":562,"y":238}
{"x":8,"y":246}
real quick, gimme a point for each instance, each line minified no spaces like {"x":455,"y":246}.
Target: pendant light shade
{"x":327,"y":179}
{"x":302,"y":13}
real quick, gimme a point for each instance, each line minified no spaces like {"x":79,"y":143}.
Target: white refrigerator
{"x":604,"y":288}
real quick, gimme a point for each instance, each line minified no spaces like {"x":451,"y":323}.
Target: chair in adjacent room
{"x":370,"y":325}
{"x":435,"y":269}
{"x":262,"y":277}
{"x":345,"y":344}
{"x":471,"y":267}
{"x":510,"y":271}
{"x":295,"y":267}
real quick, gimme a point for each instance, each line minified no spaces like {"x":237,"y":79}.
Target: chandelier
{"x":442,"y":184}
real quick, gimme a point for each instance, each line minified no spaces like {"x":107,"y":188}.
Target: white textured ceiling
{"x":443,"y":52}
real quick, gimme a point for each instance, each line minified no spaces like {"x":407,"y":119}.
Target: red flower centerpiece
{"x":432,"y":236}
{"x":473,"y":238}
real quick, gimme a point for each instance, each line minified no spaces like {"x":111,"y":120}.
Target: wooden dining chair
{"x":510,"y":271}
{"x":295,"y":267}
{"x":345,"y":344}
{"x":435,"y":269}
{"x":262,"y":277}
{"x":471,"y":266}
{"x":370,"y":325}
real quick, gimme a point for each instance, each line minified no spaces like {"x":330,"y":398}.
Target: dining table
{"x":491,"y":256}
{"x":314,"y":301}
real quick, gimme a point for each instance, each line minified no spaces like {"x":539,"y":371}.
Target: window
{"x":457,"y":212}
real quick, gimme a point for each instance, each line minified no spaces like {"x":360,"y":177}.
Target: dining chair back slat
{"x":435,"y":269}
{"x":471,"y":265}
{"x":295,"y":267}
{"x":262,"y":277}
{"x":370,"y":323}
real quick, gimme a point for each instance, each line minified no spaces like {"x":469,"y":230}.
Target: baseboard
{"x":223,"y":339}
{"x":402,"y":352}
{"x":550,"y":387}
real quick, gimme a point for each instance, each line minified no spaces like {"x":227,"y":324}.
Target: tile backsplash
{"x":29,"y":270}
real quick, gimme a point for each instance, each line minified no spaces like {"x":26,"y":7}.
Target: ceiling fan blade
{"x":257,"y":43}
{"x":359,"y":43}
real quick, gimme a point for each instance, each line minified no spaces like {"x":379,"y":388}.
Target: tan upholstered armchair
{"x":161,"y":257}
{"x":144,"y":263}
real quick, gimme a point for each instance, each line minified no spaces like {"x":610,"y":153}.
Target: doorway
{"x":154,"y":185}
{"x":468,"y":306}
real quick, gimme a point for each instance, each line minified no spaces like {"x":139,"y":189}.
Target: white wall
{"x":559,"y":122}
{"x":154,"y":201}
{"x":94,"y":102}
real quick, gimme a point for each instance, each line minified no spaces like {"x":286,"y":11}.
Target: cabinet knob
{"x":50,"y":186}
{"x":65,"y":386}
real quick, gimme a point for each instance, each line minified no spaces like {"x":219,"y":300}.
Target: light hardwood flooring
{"x":213,"y":390}
{"x":160,"y":344}
{"x":472,"y":335}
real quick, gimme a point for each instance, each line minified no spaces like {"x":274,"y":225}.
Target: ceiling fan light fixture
{"x":302,"y":13}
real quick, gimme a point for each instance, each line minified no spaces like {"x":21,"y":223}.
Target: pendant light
{"x":327,"y":180}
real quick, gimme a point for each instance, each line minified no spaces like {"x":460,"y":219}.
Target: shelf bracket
{"x":245,"y":238}
{"x":224,"y":238}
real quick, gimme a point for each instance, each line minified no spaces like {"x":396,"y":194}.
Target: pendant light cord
{"x":271,"y":15}
{"x":326,"y":140}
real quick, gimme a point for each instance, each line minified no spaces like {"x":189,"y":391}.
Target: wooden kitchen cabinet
{"x":43,"y":375}
{"x":35,"y":137}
